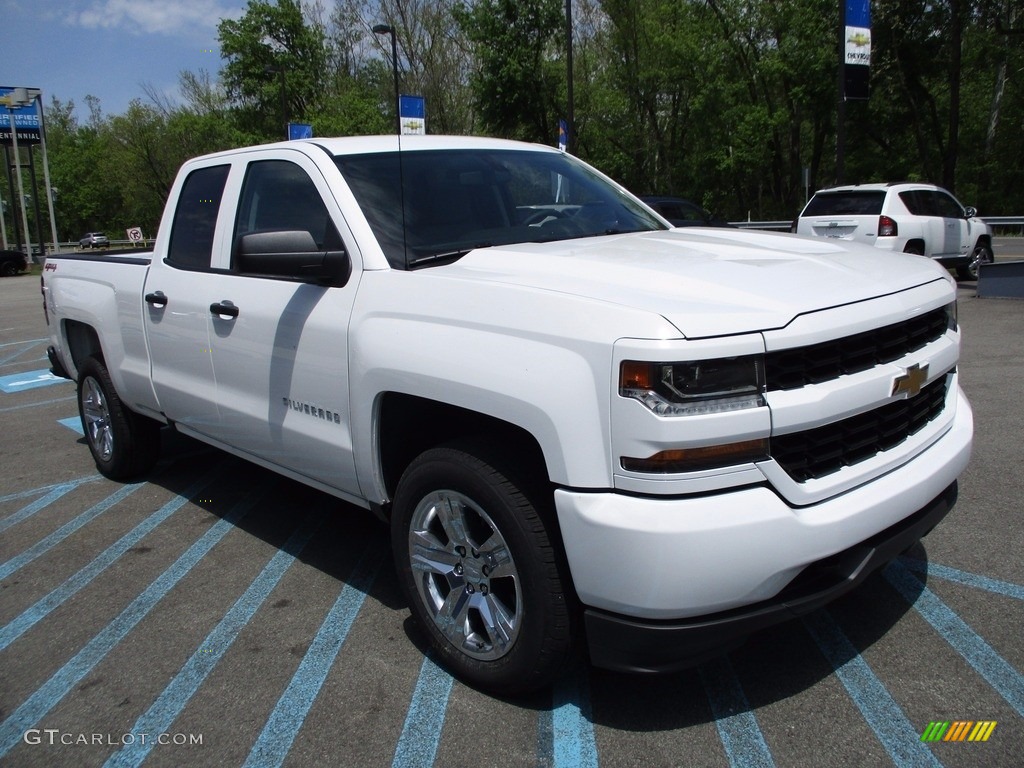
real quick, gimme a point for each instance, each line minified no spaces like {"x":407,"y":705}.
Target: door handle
{"x":224,"y":308}
{"x":157,"y":299}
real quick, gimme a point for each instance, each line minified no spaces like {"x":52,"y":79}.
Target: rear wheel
{"x":982,"y":255}
{"x":123,"y":443}
{"x":8,"y":268}
{"x":478,"y":567}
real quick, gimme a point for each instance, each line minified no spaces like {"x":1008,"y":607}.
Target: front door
{"x":280,"y":345}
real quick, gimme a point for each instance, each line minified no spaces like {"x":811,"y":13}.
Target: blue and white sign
{"x":856,"y":58}
{"x":858,"y":32}
{"x":412,"y":111}
{"x":299,"y":131}
{"x":26,"y":118}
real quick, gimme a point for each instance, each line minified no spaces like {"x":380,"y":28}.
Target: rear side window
{"x":851,"y":203}
{"x":195,"y":218}
{"x":917,"y":202}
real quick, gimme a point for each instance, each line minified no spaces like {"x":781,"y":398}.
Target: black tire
{"x":982,"y":255}
{"x":482,"y":550}
{"x":123,"y":443}
{"x":8,"y":269}
{"x":915,"y":249}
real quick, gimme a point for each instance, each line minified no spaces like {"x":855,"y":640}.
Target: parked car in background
{"x":905,"y":217}
{"x":12,"y":263}
{"x":683,"y":213}
{"x":94,"y":240}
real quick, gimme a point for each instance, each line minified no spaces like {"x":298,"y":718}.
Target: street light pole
{"x":385,"y":29}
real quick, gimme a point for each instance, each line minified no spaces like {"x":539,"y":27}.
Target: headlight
{"x":951,"y":316}
{"x":695,"y":387}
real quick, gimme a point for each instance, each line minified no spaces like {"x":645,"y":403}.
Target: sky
{"x":110,"y":49}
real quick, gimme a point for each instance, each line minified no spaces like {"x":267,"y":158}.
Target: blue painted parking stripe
{"x":42,"y":608}
{"x":55,"y":538}
{"x":275,"y":741}
{"x":36,"y":404}
{"x":896,"y":734}
{"x":47,"y":696}
{"x":572,"y":732}
{"x":421,"y":732}
{"x":45,"y":489}
{"x":954,"y":630}
{"x":170,"y":703}
{"x":1005,"y":588}
{"x":39,"y":504}
{"x":21,"y":382}
{"x":74,"y":423}
{"x":737,"y":726}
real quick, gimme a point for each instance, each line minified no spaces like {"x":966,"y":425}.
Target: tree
{"x":276,"y":62}
{"x":516,"y":86}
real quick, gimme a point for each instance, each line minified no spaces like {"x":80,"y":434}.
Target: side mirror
{"x":291,"y":254}
{"x":970,"y":212}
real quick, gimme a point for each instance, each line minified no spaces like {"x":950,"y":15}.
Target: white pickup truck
{"x":586,"y":428}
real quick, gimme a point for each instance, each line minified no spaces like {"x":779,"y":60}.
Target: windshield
{"x":458,"y":200}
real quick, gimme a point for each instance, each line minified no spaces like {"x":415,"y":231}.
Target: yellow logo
{"x":911,"y":382}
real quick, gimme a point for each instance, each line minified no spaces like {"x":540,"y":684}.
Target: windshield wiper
{"x":444,"y":256}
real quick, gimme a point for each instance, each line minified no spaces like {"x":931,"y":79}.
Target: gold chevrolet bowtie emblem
{"x":910,"y":383}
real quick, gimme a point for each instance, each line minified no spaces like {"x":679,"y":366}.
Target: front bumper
{"x":666,"y":579}
{"x":634,"y":645}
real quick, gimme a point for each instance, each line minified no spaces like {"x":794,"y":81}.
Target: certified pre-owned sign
{"x":16,"y":104}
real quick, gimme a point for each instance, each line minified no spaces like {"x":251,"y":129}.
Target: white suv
{"x":912,"y":218}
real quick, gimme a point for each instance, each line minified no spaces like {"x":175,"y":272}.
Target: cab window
{"x":195,"y":218}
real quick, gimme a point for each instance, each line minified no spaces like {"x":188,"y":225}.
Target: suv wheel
{"x":982,"y":255}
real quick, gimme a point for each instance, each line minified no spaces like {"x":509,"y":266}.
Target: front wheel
{"x":123,"y":443}
{"x":480,"y":572}
{"x":982,"y":255}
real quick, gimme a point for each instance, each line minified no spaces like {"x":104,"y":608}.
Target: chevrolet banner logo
{"x":910,"y":383}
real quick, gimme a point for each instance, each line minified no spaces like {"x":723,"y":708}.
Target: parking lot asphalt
{"x":215,"y":614}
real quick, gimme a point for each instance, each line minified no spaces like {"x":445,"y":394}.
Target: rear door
{"x":177,"y":307}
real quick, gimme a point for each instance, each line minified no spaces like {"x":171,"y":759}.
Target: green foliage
{"x":515,"y":89}
{"x":721,"y":101}
{"x":276,"y":61}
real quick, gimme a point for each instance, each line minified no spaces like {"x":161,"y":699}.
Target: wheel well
{"x":916,"y":244}
{"x":410,"y":425}
{"x":82,"y":342}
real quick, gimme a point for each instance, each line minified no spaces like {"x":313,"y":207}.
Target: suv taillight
{"x":887,"y":227}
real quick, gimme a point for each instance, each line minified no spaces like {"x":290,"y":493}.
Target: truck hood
{"x":706,"y":282}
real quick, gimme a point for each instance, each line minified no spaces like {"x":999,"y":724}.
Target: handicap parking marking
{"x":73,"y":423}
{"x":19,"y":382}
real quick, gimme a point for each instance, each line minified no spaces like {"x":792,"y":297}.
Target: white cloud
{"x":147,"y":16}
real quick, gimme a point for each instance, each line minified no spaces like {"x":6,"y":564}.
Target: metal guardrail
{"x":997,"y":223}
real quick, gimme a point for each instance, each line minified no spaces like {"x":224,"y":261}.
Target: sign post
{"x":23,"y":127}
{"x":854,"y":67}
